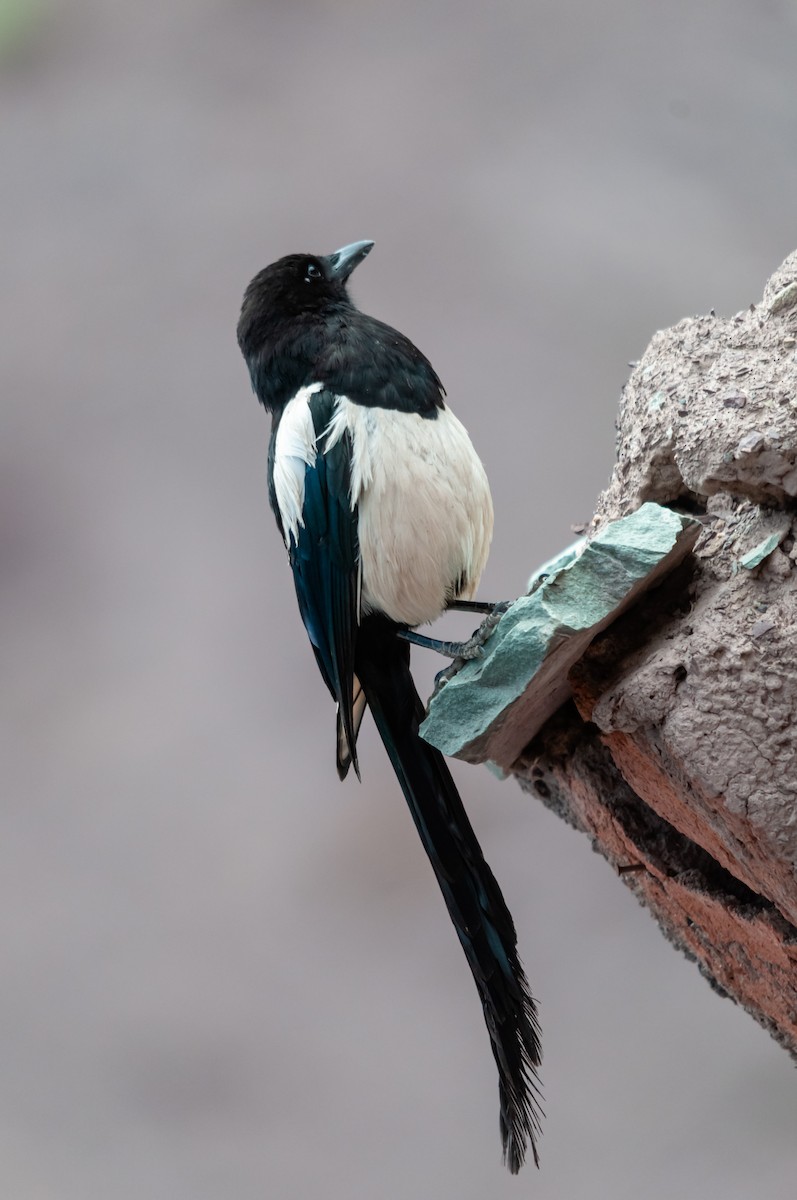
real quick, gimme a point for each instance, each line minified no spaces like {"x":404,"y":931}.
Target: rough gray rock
{"x":679,"y":756}
{"x":712,"y":407}
{"x":695,"y":697}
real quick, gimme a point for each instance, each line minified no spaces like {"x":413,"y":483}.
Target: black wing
{"x":325,"y":562}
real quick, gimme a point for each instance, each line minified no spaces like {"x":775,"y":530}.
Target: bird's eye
{"x":312,"y":272}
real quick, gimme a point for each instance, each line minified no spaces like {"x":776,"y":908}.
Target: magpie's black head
{"x":298,"y":327}
{"x":296,"y":289}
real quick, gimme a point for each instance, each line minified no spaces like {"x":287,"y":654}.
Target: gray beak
{"x":341,"y":264}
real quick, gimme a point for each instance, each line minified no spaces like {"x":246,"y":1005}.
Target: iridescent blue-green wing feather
{"x":324,"y":556}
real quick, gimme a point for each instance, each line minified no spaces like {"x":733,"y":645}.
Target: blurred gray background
{"x":224,"y":974}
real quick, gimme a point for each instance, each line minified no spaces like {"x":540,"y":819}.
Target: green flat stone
{"x":495,"y":704}
{"x":756,"y":556}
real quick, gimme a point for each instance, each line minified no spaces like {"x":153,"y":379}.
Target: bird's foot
{"x":473,"y":647}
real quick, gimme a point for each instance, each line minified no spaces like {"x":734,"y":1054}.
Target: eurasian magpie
{"x":386,"y":514}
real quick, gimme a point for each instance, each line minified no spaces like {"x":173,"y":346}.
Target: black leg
{"x":449,"y":649}
{"x":477,"y":606}
{"x":472,"y":647}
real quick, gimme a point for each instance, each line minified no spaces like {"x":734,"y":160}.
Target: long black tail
{"x":477,"y":908}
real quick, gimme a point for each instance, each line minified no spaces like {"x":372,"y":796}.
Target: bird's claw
{"x":473,"y":648}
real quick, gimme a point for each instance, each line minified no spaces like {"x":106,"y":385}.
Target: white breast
{"x":425,"y":511}
{"x":294,"y":451}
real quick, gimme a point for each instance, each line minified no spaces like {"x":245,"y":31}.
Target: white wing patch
{"x":294,"y":451}
{"x":425,"y":511}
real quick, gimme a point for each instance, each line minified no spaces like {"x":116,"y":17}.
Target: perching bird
{"x":386,"y":514}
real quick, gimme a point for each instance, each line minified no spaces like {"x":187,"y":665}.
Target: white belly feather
{"x":425,"y":511}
